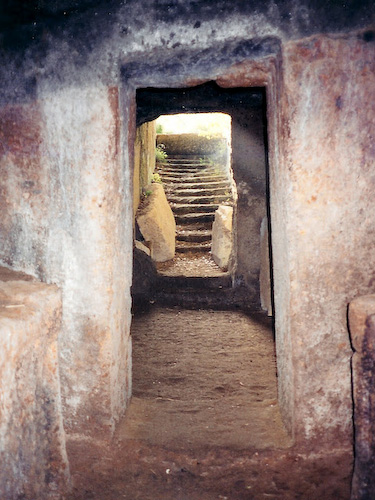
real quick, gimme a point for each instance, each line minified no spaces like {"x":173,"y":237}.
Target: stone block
{"x":222,"y":236}
{"x":157,"y":224}
{"x":142,"y":247}
{"x":144,"y":278}
{"x":32,"y":440}
{"x":362,"y":332}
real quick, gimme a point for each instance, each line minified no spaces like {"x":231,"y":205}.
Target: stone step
{"x":199,"y":185}
{"x":193,"y":226}
{"x":202,"y":192}
{"x":193,"y":247}
{"x":178,"y":174}
{"x":200,"y":199}
{"x":196,"y":217}
{"x":196,"y":292}
{"x":189,"y":298}
{"x":190,"y":208}
{"x":193,"y":235}
{"x":219,"y":300}
{"x":209,"y":179}
{"x":188,"y":167}
{"x":184,"y":159}
{"x":190,"y":158}
{"x":195,"y":282}
{"x":173,"y":161}
{"x":179,"y":166}
{"x":195,"y":173}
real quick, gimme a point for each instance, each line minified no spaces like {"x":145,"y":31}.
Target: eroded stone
{"x":222,"y":236}
{"x":157,"y":224}
{"x":32,"y":439}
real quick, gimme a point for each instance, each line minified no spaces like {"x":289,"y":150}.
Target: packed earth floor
{"x":204,"y":422}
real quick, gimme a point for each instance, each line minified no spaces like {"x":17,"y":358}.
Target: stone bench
{"x":32,"y":440}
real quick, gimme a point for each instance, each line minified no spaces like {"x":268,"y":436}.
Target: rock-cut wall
{"x":67,"y":130}
{"x":67,"y":219}
{"x":192,"y":144}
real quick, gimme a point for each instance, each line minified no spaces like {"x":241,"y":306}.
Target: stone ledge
{"x":32,"y":440}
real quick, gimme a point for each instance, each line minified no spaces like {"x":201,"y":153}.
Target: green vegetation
{"x":160,"y":153}
{"x":206,"y":161}
{"x":156,"y":178}
{"x":159,"y":128}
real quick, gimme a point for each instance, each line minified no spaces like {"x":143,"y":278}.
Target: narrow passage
{"x":204,"y":378}
{"x":203,"y":423}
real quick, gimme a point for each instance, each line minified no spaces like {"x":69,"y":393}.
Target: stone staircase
{"x":194,"y":189}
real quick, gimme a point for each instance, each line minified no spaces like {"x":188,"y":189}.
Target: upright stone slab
{"x":157,"y":224}
{"x":362,"y":331}
{"x":222,"y":236}
{"x":144,"y":277}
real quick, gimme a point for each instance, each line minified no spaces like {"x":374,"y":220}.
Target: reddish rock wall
{"x":32,"y":439}
{"x":66,"y":219}
{"x":66,"y":198}
{"x":89,"y":251}
{"x":322,"y":203}
{"x":361,"y":318}
{"x":24,"y":212}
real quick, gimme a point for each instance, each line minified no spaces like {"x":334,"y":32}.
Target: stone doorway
{"x":247,"y":108}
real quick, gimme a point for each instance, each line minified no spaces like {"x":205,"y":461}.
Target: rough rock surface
{"x":65,"y":221}
{"x":157,"y":224}
{"x":362,"y":331}
{"x":144,"y":277}
{"x":222,"y":236}
{"x":32,"y":440}
{"x":317,"y":268}
{"x":69,"y":74}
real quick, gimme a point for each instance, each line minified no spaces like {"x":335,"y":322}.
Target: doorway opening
{"x":247,"y":110}
{"x":193,"y":161}
{"x":192,"y":352}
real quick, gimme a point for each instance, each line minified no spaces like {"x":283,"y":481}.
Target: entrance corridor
{"x":204,"y":422}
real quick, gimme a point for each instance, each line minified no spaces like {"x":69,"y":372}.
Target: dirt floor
{"x":204,"y":422}
{"x":189,"y":265}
